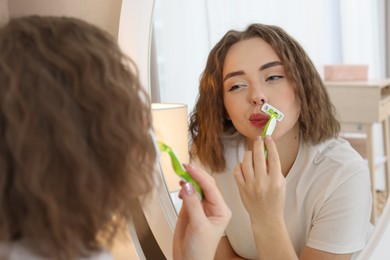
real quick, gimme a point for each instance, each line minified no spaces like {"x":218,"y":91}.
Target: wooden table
{"x":360,"y":105}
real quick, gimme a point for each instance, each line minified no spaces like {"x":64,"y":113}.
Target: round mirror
{"x":331,"y":32}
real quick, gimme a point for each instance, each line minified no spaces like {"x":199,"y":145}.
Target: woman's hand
{"x":201,"y":223}
{"x":261,"y":183}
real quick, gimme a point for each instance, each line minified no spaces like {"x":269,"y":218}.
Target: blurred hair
{"x":75,"y":146}
{"x":4,"y":12}
{"x":208,"y":120}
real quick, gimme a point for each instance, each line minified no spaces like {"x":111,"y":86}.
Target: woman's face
{"x":253,"y":74}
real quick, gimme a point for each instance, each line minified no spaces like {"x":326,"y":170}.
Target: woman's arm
{"x":201,"y":224}
{"x":225,"y":251}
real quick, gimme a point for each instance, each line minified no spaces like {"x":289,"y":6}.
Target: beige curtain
{"x":331,"y":31}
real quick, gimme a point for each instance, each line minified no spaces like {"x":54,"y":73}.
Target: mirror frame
{"x":154,"y":216}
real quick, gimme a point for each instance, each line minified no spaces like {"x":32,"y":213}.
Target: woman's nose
{"x":258,"y":97}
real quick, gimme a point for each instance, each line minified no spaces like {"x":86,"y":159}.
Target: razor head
{"x":272,"y":111}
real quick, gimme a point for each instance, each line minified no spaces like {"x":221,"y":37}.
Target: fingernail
{"x":268,"y":137}
{"x":188,"y":166}
{"x":189,"y":188}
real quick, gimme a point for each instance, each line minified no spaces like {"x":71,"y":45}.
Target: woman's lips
{"x":258,"y":120}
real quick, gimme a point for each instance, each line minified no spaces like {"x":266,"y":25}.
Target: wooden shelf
{"x":360,"y":105}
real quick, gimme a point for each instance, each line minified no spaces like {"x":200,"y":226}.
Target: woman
{"x":311,"y":198}
{"x":76,"y":146}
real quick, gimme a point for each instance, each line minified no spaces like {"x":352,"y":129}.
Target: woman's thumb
{"x":193,"y":203}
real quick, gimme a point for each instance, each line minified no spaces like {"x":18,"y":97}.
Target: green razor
{"x":275,"y":115}
{"x":178,"y":168}
{"x":272,"y":111}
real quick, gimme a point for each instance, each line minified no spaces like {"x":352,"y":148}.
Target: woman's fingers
{"x":259,"y":159}
{"x":238,"y":175}
{"x":201,"y":222}
{"x":192,"y":207}
{"x":247,"y":167}
{"x":274,"y":167}
{"x":207,"y":184}
{"x":253,"y":164}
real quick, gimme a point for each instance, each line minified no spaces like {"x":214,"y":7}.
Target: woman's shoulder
{"x":337,"y":150}
{"x":17,"y":250}
{"x":331,"y":160}
{"x":330,"y":165}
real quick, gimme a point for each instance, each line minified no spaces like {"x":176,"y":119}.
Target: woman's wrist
{"x":267,"y":223}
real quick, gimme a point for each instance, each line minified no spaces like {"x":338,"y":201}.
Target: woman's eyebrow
{"x":270,"y":64}
{"x":262,"y":67}
{"x":232,"y":74}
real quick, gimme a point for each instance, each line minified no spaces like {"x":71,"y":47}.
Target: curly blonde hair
{"x":75,"y":144}
{"x":208,"y":120}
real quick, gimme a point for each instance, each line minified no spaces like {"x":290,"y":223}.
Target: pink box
{"x":346,"y":72}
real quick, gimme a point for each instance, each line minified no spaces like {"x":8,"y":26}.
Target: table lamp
{"x":170,"y":123}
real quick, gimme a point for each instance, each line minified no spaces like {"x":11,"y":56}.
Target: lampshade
{"x":171,"y":127}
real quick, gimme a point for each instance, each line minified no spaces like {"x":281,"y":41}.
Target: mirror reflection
{"x":170,"y":126}
{"x":331,"y":32}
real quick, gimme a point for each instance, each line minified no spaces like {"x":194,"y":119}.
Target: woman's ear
{"x":4,"y":12}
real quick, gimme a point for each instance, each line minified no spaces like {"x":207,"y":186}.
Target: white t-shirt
{"x":328,"y":199}
{"x":17,"y":251}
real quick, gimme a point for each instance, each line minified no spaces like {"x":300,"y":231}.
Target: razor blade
{"x":272,"y":111}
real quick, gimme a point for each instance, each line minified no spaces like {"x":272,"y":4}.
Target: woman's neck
{"x":288,"y":147}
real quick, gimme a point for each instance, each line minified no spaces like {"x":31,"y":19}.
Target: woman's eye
{"x":274,"y":78}
{"x":235,"y":87}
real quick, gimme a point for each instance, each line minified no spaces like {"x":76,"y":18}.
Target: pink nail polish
{"x":189,"y":188}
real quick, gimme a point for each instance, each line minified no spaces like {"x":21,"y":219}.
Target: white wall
{"x":103,"y":13}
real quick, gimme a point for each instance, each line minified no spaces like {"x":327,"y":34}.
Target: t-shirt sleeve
{"x":342,"y":223}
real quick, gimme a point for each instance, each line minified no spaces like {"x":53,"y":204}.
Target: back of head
{"x":4,"y":12}
{"x":74,"y":146}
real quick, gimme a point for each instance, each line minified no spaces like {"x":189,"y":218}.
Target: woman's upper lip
{"x":258,"y":119}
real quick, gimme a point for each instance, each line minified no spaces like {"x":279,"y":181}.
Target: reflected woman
{"x":310,"y":197}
